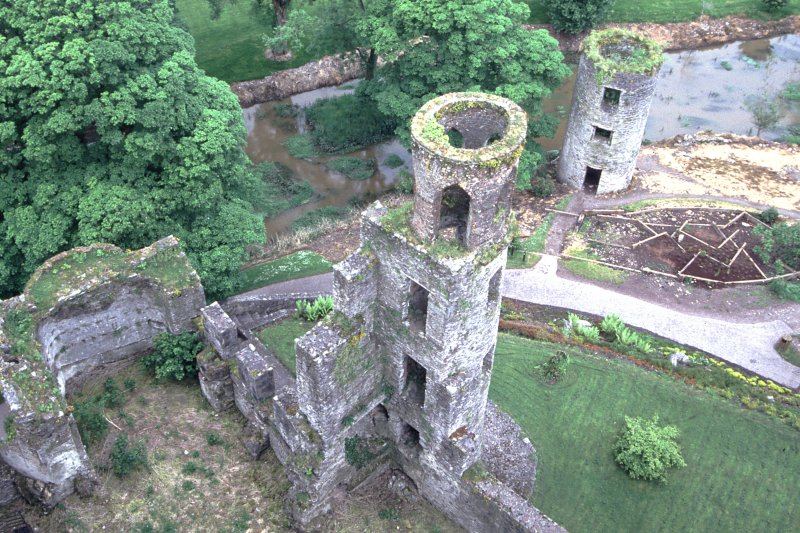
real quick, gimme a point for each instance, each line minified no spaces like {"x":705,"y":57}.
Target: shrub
{"x":130,"y":384}
{"x":405,"y":184}
{"x":353,"y":167}
{"x":347,"y":123}
{"x":112,"y":397}
{"x":127,"y":457}
{"x":646,"y":450}
{"x":357,"y":452}
{"x":765,"y":113}
{"x":92,"y":423}
{"x":769,"y":215}
{"x":173,"y":356}
{"x":287,"y":110}
{"x":575,"y":16}
{"x":577,"y":327}
{"x":780,"y":244}
{"x":528,"y":163}
{"x":617,"y":331}
{"x":316,"y":310}
{"x":555,"y":367}
{"x":214,"y":439}
{"x":393,"y":161}
{"x":301,"y":146}
{"x":775,"y":5}
{"x":543,"y":186}
{"x":788,"y":290}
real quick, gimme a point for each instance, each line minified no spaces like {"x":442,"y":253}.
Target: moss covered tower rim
{"x":500,"y":136}
{"x":615,"y":50}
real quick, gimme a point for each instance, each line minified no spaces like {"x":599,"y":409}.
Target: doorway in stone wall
{"x":592,"y":180}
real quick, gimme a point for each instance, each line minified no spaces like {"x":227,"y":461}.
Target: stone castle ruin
{"x":610,"y":105}
{"x":84,"y":313}
{"x":398,"y":375}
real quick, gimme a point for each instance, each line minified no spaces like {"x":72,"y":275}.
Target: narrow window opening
{"x":454,"y":214}
{"x":409,"y":437}
{"x":592,"y":179}
{"x":416,"y":376}
{"x":611,"y":96}
{"x":417,"y":308}
{"x":603,"y":134}
{"x":494,"y":288}
{"x":488,"y":359}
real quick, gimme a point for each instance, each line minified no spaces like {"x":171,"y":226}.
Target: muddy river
{"x":697,"y":90}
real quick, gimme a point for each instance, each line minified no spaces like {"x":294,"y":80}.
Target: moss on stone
{"x":616,"y":50}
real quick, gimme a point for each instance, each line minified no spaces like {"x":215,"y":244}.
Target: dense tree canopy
{"x":439,"y":46}
{"x":575,"y":16}
{"x":110,"y":132}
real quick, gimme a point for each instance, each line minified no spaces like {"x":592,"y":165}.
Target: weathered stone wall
{"x":627,"y":120}
{"x":84,"y":313}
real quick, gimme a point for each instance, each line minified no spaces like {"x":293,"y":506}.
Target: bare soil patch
{"x":698,"y":244}
{"x":747,"y":168}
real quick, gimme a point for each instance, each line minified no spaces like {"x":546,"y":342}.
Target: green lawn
{"x":297,"y":265}
{"x":231,"y":47}
{"x":677,"y":10}
{"x":281,"y":336}
{"x":743,"y":468}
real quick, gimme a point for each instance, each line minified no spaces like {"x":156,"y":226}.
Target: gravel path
{"x":748,"y":345}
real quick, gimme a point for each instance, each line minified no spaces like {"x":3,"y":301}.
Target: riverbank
{"x":701,"y":33}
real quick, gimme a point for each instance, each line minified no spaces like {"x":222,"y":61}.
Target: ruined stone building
{"x":613,"y":91}
{"x":84,"y":313}
{"x":398,"y":375}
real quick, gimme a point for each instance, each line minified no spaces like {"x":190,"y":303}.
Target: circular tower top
{"x":616,"y":50}
{"x":466,"y":148}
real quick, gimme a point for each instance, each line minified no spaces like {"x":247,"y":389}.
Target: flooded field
{"x":697,"y":90}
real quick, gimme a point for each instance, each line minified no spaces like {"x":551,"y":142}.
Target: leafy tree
{"x":646,"y":450}
{"x":775,"y":5}
{"x":765,"y":112}
{"x":174,"y":356}
{"x":438,"y":46}
{"x":109,"y":131}
{"x":575,"y":16}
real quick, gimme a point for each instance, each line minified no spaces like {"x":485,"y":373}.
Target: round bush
{"x":575,"y":16}
{"x":646,"y":450}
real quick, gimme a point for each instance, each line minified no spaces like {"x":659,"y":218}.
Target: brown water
{"x":694,"y":92}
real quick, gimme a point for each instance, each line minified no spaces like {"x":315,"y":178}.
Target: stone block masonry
{"x":399,"y":373}
{"x":611,"y":102}
{"x":85,"y":313}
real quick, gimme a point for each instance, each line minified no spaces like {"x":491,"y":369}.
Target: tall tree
{"x":109,"y":131}
{"x":438,"y":46}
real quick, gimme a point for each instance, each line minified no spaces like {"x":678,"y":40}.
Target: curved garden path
{"x":748,"y":345}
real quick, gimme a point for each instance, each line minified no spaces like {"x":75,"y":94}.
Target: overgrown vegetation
{"x":133,"y":172}
{"x":616,"y":331}
{"x":353,"y":167}
{"x":347,"y":123}
{"x":588,"y":269}
{"x":174,"y":357}
{"x":393,"y":161}
{"x":281,"y":336}
{"x":646,"y":450}
{"x":780,"y":247}
{"x":523,"y":252}
{"x":616,"y":50}
{"x":555,"y":367}
{"x":317,"y":217}
{"x":127,"y":457}
{"x":316,"y":310}
{"x":301,"y":146}
{"x":281,"y":190}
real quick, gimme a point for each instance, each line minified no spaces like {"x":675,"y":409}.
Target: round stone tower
{"x":466,"y":149}
{"x":613,"y":91}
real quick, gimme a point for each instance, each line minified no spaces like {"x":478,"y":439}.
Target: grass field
{"x":297,"y":265}
{"x":231,"y":47}
{"x":281,"y":336}
{"x":743,"y":467}
{"x":677,"y":10}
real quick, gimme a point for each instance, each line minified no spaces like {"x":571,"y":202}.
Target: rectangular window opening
{"x":416,"y":377}
{"x":611,"y":96}
{"x":417,"y":308}
{"x":603,"y":134}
